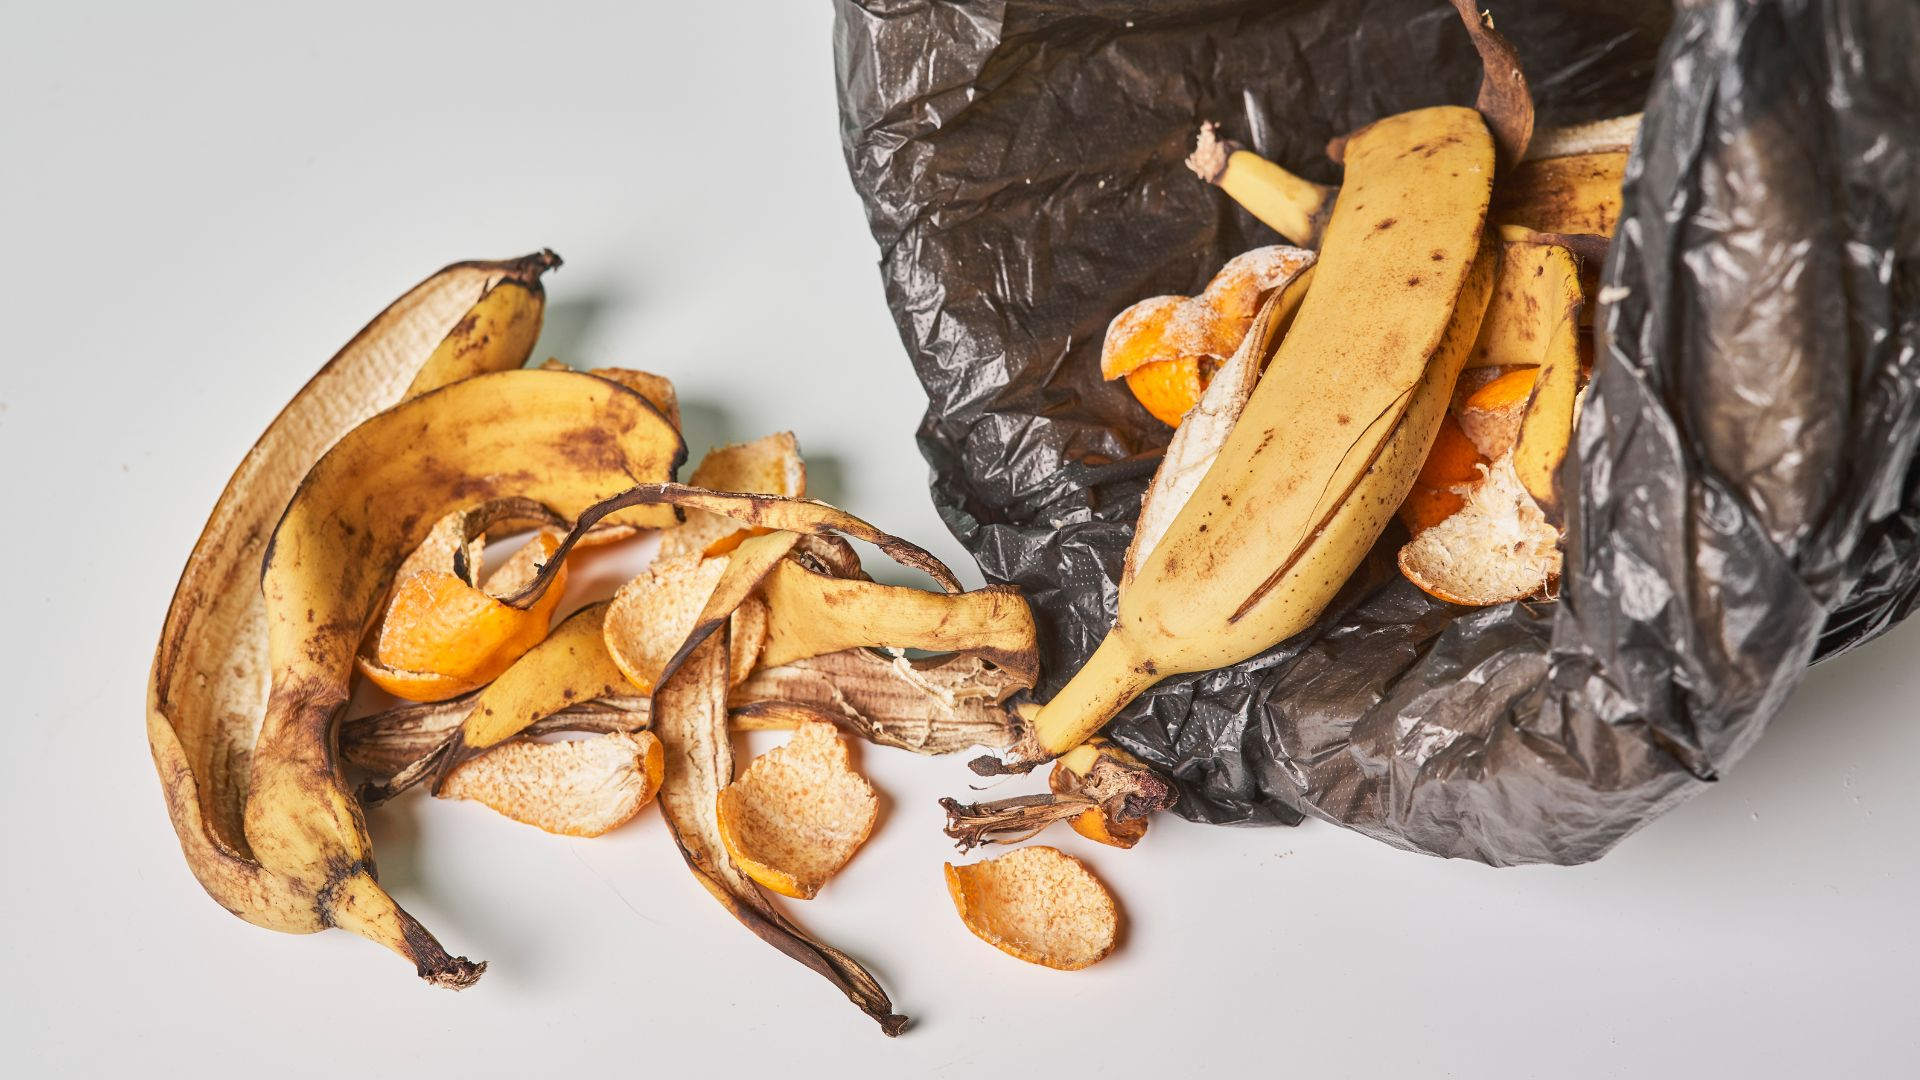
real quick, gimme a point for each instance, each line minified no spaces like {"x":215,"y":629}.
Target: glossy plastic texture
{"x":1746,"y":499}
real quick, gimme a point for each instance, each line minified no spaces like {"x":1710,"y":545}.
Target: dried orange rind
{"x":770,"y":465}
{"x":440,"y":636}
{"x":580,"y":787}
{"x":1242,"y":285}
{"x":1499,"y":548}
{"x":1452,"y":463}
{"x":1038,"y":904}
{"x":653,"y":615}
{"x":1168,"y":348}
{"x":1489,"y":414}
{"x":798,"y":812}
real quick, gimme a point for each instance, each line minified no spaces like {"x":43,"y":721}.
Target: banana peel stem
{"x":359,"y":904}
{"x":1112,"y":677}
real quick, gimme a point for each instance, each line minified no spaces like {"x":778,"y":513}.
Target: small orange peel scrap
{"x":653,"y":614}
{"x":441,"y":637}
{"x":797,"y":813}
{"x":1038,"y":904}
{"x":579,"y":787}
{"x":770,"y":465}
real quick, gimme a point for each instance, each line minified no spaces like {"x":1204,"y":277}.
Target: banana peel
{"x":813,"y":614}
{"x":206,"y":688}
{"x":1332,"y":438}
{"x":574,"y":440}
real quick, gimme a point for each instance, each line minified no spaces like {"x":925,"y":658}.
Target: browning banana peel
{"x":207,"y":684}
{"x":366,"y":504}
{"x":1332,"y":438}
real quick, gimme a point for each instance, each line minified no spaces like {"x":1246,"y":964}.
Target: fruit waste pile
{"x":1419,"y":354}
{"x":351,"y":541}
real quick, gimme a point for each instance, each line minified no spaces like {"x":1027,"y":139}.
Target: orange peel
{"x":1038,"y":904}
{"x":652,"y":616}
{"x":1489,"y":414}
{"x":441,"y":636}
{"x":770,"y":465}
{"x":797,"y":813}
{"x":580,"y":787}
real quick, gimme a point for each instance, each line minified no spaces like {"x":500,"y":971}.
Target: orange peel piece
{"x":1498,"y":548}
{"x":1454,"y":461}
{"x":1241,"y":286}
{"x":652,"y":616}
{"x":797,"y":814}
{"x":1169,"y":389}
{"x":580,"y":787}
{"x":770,"y":465}
{"x":1490,"y":414}
{"x":441,"y":636}
{"x":1038,"y":904}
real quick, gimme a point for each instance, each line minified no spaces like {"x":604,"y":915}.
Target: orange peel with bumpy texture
{"x":441,"y":636}
{"x":770,"y":465}
{"x":797,"y":813}
{"x":1038,"y":904}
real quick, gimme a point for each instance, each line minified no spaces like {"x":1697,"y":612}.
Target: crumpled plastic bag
{"x":1748,"y":499}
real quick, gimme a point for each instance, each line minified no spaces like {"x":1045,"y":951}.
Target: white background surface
{"x":201,"y":203}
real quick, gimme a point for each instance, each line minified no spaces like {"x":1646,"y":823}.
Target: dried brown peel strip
{"x":1504,"y":98}
{"x":210,"y":671}
{"x":387,"y":743}
{"x":770,"y":465}
{"x":934,"y":705}
{"x":798,"y":813}
{"x":1106,"y":793}
{"x":580,"y":787}
{"x":331,"y":559}
{"x":1038,"y":904}
{"x":768,"y":511}
{"x":813,"y":614}
{"x":690,"y":717}
{"x":1009,"y":821}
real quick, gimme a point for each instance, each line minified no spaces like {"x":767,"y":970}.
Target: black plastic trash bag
{"x":1748,"y":499}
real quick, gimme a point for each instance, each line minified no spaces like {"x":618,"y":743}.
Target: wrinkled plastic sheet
{"x":1748,"y":499}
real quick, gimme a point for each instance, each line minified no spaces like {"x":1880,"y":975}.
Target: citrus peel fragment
{"x":770,"y":465}
{"x":440,"y":636}
{"x":579,"y":787}
{"x":798,"y":812}
{"x":1038,"y":904}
